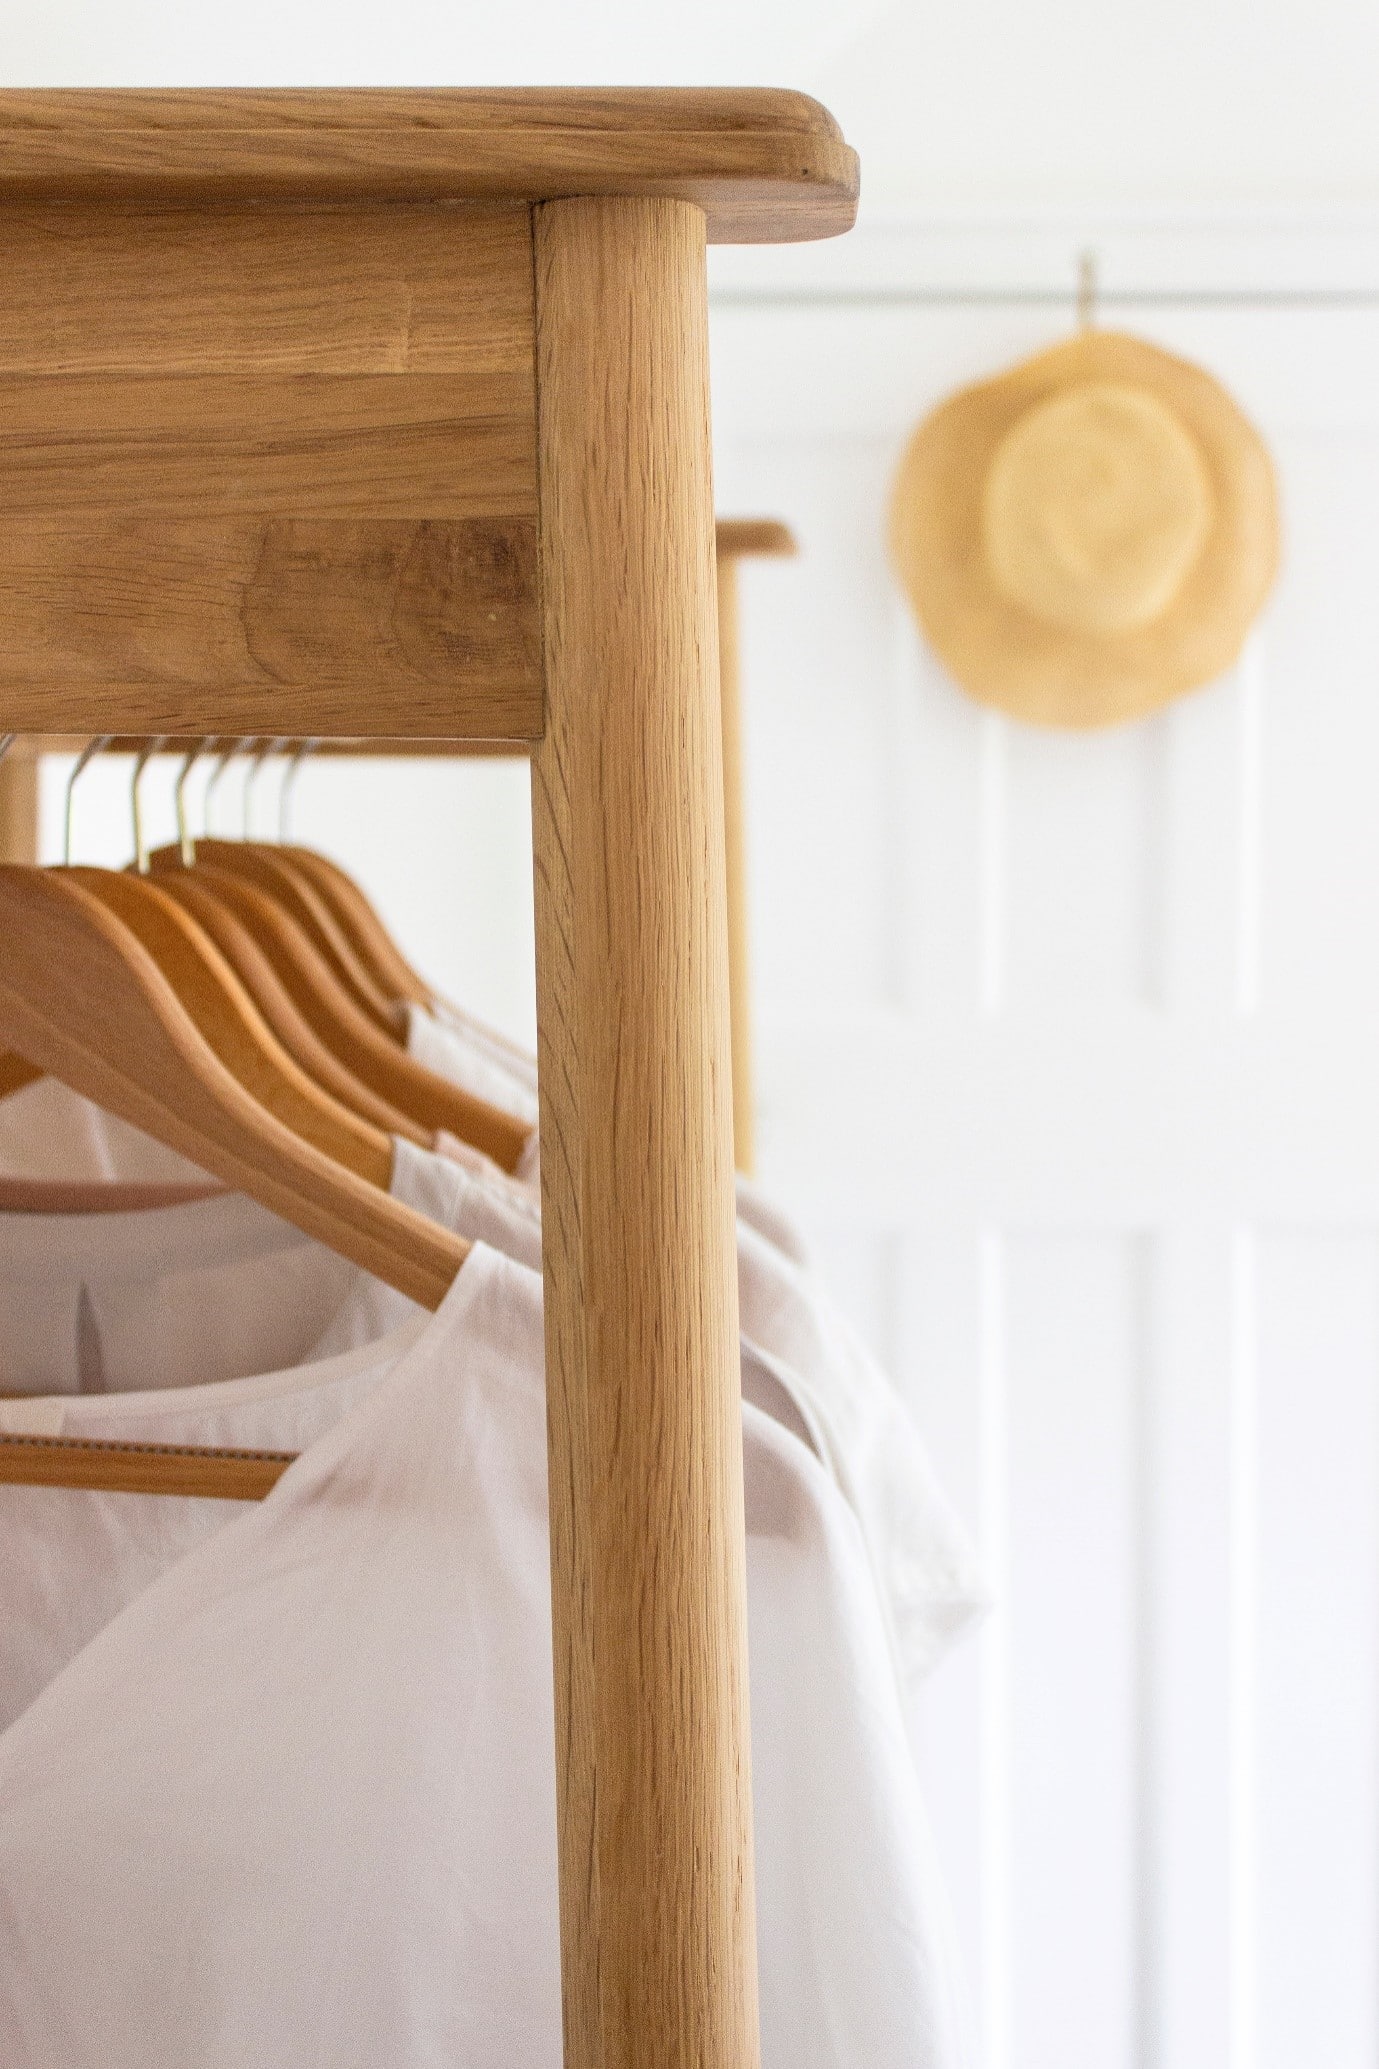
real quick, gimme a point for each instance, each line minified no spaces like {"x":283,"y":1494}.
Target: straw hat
{"x":1088,"y":535}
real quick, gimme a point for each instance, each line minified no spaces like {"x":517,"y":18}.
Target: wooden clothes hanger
{"x":299,"y":993}
{"x":294,"y":1030}
{"x":82,"y":997}
{"x":269,"y":871}
{"x":16,"y":1072}
{"x":368,"y":936}
{"x":431,"y":1101}
{"x":245,"y":957}
{"x":278,"y":911}
{"x":225,"y":1014}
{"x":264,"y":866}
{"x":372,"y":942}
{"x":351,"y":908}
{"x":367,"y":930}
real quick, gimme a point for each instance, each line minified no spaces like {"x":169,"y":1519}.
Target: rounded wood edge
{"x":766,"y":166}
{"x":245,"y":110}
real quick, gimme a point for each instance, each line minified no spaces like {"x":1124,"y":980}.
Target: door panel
{"x":1068,"y":1054}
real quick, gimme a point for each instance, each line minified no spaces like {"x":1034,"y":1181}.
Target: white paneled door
{"x":1068,"y":1053}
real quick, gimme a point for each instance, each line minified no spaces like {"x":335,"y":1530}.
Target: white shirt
{"x":293,"y":1801}
{"x":925,"y":1567}
{"x":211,"y":1323}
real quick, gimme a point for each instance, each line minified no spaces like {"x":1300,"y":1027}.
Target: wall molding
{"x":1263,"y":256}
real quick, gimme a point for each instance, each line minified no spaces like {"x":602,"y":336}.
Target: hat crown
{"x":1096,"y":506}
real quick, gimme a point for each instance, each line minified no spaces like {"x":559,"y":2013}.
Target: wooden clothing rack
{"x":735,"y":539}
{"x":385,"y":414}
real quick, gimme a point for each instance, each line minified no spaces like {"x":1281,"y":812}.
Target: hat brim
{"x":1005,"y":656}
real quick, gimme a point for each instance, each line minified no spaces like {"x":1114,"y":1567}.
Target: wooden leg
{"x":19,"y":808}
{"x":739,"y":978}
{"x":647,"y":1547}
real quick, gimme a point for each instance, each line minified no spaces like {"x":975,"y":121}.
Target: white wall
{"x":1068,"y":1057}
{"x":989,"y":104}
{"x":1159,"y":103}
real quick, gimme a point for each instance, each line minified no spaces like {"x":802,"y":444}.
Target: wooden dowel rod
{"x":739,"y":961}
{"x":647,"y":1546}
{"x":141,"y":1468}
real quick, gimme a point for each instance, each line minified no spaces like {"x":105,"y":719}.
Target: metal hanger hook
{"x":262,"y":750}
{"x":223,"y":760}
{"x":294,"y":764}
{"x":92,"y":747}
{"x":141,"y":762}
{"x":185,"y":843}
{"x":7,"y":741}
{"x":1088,"y":285}
{"x":247,"y":748}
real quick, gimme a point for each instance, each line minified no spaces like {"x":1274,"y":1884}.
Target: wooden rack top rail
{"x":737,"y":538}
{"x":268,"y":389}
{"x":765,"y":166}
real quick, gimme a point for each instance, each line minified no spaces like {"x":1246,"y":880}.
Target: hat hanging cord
{"x":1087,"y":287}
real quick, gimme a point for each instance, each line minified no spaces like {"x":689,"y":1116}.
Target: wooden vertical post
{"x":739,"y":961}
{"x":647,"y":1542}
{"x":19,"y":807}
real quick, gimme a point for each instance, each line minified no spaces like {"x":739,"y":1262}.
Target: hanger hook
{"x":141,"y":762}
{"x":1088,"y":287}
{"x":185,"y":843}
{"x":223,"y":760}
{"x":294,"y":763}
{"x":7,"y":741}
{"x":91,"y":748}
{"x":262,"y":749}
{"x":247,"y":748}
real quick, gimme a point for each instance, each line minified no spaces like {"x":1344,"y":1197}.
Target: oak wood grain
{"x":422,"y":446}
{"x":192,"y":627}
{"x":261,"y":461}
{"x":764,"y":166}
{"x":657,"y":1922}
{"x":736,"y":538}
{"x":104,"y":288}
